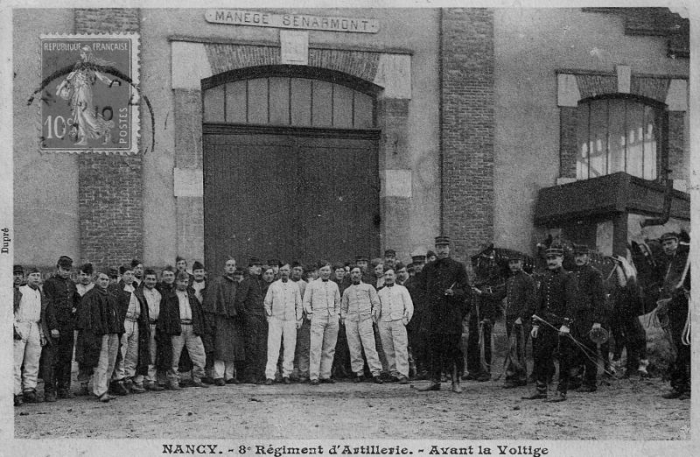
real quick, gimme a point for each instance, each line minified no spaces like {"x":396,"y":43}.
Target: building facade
{"x":328,"y":133}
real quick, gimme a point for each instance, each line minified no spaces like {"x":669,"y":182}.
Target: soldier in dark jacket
{"x":226,"y":325}
{"x":99,"y":324}
{"x":63,"y":297}
{"x":519,"y":295}
{"x":555,"y":308}
{"x":417,"y":340}
{"x":675,"y":291}
{"x":249,"y":302}
{"x":591,"y":313}
{"x":445,"y":285}
{"x":182,"y":320}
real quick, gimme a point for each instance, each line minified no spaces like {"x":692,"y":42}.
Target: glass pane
{"x":236,"y":102}
{"x":582,"y":141}
{"x":650,"y":135}
{"x":635,"y":141}
{"x":257,"y":101}
{"x":616,"y":144}
{"x":322,"y":104}
{"x":599,"y":138}
{"x":301,"y":102}
{"x":364,"y":111}
{"x":342,"y":106}
{"x":279,"y":101}
{"x":214,"y":104}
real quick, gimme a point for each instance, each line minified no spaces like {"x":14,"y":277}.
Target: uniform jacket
{"x":220,"y":298}
{"x":557,"y":296}
{"x":322,"y":300}
{"x":444,"y":313}
{"x":249,"y":297}
{"x":358,"y":302}
{"x":519,"y":293}
{"x":396,"y":304}
{"x":48,"y":318}
{"x":169,"y":319}
{"x":674,"y":271}
{"x":592,"y":304}
{"x":62,"y":296}
{"x":98,"y":316}
{"x":283,"y":301}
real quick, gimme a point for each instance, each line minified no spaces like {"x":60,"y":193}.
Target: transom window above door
{"x":288,"y":101}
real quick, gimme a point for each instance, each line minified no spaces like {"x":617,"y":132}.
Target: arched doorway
{"x":290,"y":165}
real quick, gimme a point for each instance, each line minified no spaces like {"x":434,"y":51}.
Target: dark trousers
{"x":628,"y":332}
{"x":588,"y":358}
{"x":58,"y":363}
{"x":680,"y":368}
{"x":543,"y":348}
{"x":516,"y":370}
{"x":419,"y":349}
{"x":474,"y":365}
{"x":341,"y":361}
{"x":445,"y":351}
{"x":255,"y":347}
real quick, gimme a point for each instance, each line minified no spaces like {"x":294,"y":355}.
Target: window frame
{"x":661,"y":114}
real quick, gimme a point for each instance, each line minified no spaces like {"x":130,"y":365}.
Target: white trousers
{"x":152,"y":372}
{"x":196,"y":350}
{"x":324,"y":335}
{"x":224,"y":370}
{"x":129,"y":349}
{"x":280,"y":330}
{"x":27,"y":351}
{"x":360,"y":335}
{"x":395,"y":343}
{"x":105,"y":366}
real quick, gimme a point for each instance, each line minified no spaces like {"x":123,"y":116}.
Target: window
{"x":619,"y":134}
{"x":297,"y":102}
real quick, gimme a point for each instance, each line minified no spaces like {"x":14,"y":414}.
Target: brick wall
{"x":110,"y":188}
{"x":468,"y":126}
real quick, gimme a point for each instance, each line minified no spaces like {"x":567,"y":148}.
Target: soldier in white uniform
{"x":394,"y":314}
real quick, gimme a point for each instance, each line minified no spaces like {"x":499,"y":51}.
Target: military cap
{"x":17,"y":270}
{"x":254,"y":261}
{"x":135,"y":263}
{"x":197,"y":265}
{"x":86,"y":268}
{"x":581,"y":249}
{"x":442,"y":240}
{"x":554,"y":249}
{"x":399,"y":266}
{"x":296,"y":263}
{"x":418,"y":259}
{"x":669,"y":236}
{"x":389,"y":252}
{"x":65,"y":262}
{"x":275,"y":262}
{"x":178,"y":259}
{"x":515,"y":255}
{"x":361,"y":258}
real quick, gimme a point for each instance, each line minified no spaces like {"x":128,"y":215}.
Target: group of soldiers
{"x":267,"y":324}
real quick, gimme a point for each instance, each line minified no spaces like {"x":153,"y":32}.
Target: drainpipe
{"x":441,"y":63}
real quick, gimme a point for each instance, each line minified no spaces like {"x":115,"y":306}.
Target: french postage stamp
{"x":90,"y":93}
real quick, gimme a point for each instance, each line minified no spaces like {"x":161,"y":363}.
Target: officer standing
{"x":444,"y":283}
{"x":551,"y":325}
{"x":591,"y":313}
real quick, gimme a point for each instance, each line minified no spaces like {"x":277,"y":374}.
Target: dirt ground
{"x":629,"y":409}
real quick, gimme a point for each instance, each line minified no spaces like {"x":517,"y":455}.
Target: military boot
{"x":456,"y":388}
{"x":434,"y":385}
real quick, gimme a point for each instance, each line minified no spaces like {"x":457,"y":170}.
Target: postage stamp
{"x":90,"y":96}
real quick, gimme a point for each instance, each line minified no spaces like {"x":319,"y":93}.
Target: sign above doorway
{"x":291,"y":21}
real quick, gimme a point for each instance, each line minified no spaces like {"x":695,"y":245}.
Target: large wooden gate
{"x":291,"y":193}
